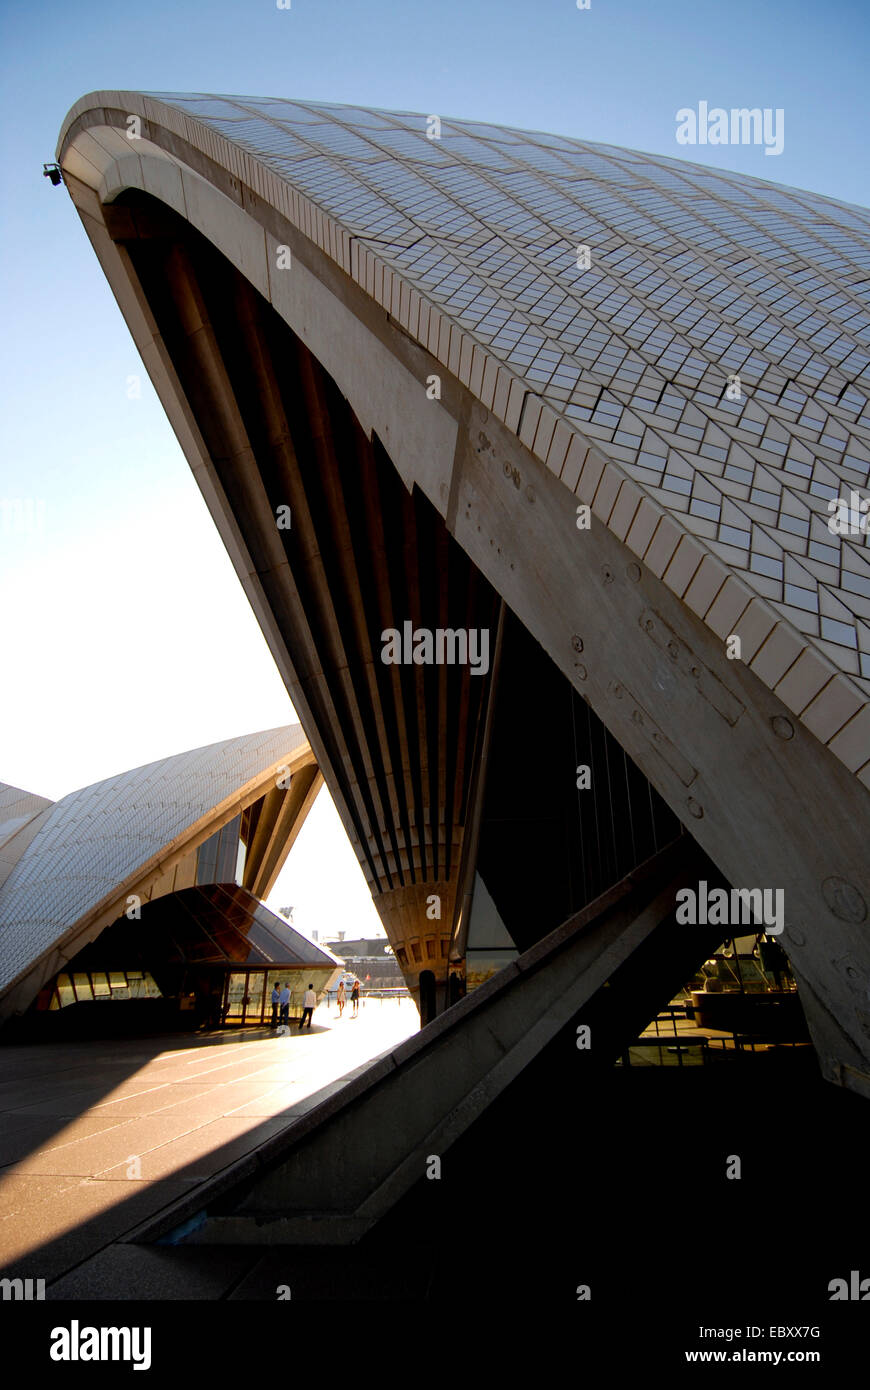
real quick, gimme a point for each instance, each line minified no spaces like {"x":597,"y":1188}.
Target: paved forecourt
{"x":97,"y":1136}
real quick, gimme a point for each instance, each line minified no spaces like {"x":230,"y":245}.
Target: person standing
{"x":354,"y":997}
{"x":309,"y":1004}
{"x":341,"y":997}
{"x":284,"y":1003}
{"x":276,"y":999}
{"x":213,"y":1007}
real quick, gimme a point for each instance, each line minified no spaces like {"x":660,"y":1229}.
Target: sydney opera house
{"x":544,"y":466}
{"x":609,"y":409}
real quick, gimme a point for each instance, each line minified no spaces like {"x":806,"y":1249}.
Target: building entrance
{"x":245,"y":997}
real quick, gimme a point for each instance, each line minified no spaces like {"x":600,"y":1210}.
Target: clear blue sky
{"x":126,"y":538}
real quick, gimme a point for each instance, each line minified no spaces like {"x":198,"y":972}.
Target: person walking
{"x":276,"y":999}
{"x":309,"y":1004}
{"x":341,"y":997}
{"x":354,"y":997}
{"x":284,"y":1003}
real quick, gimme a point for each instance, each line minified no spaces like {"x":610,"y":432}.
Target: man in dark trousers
{"x":284,"y":1002}
{"x":309,"y":1004}
{"x":276,"y":995}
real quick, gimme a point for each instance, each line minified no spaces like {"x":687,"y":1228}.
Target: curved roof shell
{"x":614,"y":373}
{"x":684,"y":350}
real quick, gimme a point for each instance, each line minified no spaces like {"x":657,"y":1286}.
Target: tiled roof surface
{"x":695,"y":275}
{"x":614,"y":374}
{"x":97,"y":838}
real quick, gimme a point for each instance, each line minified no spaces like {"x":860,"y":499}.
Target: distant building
{"x":371,"y":959}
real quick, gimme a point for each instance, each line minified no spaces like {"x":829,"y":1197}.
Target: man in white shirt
{"x":309,"y":1004}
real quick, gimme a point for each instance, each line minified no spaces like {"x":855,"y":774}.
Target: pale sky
{"x":126,"y":635}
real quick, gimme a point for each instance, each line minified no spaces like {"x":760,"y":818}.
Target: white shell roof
{"x":614,"y":373}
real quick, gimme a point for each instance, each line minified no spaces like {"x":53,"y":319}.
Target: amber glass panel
{"x":237,"y":993}
{"x":65,"y":990}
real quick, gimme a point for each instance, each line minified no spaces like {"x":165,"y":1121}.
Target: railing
{"x":670,"y":1038}
{"x":400,"y":992}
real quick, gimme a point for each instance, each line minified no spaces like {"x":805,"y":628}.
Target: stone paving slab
{"x":273,"y":1102}
{"x":199,"y":1105}
{"x":73,"y":1103}
{"x":19,"y":1140}
{"x":88,"y":1157}
{"x":58,"y":1222}
{"x":162,"y":1100}
{"x":231,"y":1138}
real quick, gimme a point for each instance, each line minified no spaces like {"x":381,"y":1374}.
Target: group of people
{"x":341,"y":997}
{"x":281,"y":1006}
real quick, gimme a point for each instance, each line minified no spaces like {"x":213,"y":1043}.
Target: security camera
{"x":52,"y":171}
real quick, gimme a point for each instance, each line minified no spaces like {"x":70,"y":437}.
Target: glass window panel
{"x":480,"y":965}
{"x":65,"y":991}
{"x":237,"y":994}
{"x":144,"y":987}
